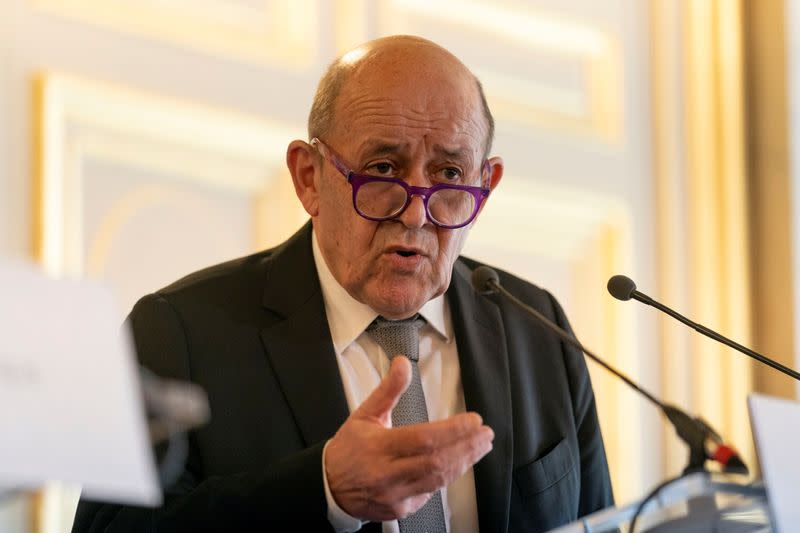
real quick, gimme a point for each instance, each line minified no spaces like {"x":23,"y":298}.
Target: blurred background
{"x":143,"y":139}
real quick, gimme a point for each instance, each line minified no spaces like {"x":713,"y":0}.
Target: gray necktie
{"x":402,"y":337}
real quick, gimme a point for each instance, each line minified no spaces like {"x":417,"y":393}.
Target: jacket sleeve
{"x":595,"y":491}
{"x":286,"y":495}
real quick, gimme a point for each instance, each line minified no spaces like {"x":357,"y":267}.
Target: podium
{"x":699,"y":502}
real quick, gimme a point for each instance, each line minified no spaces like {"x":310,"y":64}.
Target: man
{"x":498,"y":429}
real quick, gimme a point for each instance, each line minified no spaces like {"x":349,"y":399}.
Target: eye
{"x":381,"y":169}
{"x":450,"y":174}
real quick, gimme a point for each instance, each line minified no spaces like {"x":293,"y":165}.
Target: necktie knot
{"x":397,"y":336}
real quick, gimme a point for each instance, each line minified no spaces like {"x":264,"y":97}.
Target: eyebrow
{"x":457,"y":153}
{"x":372,"y":148}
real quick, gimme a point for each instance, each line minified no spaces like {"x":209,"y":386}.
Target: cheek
{"x":337,"y":215}
{"x":356,"y":241}
{"x":450,"y":245}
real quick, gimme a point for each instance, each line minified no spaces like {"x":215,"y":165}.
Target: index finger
{"x":421,"y":438}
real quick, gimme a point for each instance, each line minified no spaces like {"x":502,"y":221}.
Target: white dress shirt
{"x":362,"y":364}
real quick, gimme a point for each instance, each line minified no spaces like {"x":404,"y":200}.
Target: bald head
{"x":401,"y":58}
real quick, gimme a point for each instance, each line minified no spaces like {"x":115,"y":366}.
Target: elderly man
{"x":483,"y":421}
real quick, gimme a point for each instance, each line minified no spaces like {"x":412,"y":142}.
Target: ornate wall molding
{"x":274,"y":32}
{"x":114,"y":165}
{"x":574,"y":84}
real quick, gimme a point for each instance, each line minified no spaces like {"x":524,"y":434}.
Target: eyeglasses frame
{"x":480,"y":194}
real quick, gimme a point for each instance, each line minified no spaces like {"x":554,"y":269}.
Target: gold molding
{"x":279,"y":32}
{"x":698,"y":117}
{"x":595,"y":109}
{"x":37,"y":167}
{"x":207,"y":145}
{"x":37,"y":510}
{"x":126,"y":208}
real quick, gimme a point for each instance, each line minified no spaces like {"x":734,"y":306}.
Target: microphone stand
{"x":623,"y":288}
{"x":693,"y":431}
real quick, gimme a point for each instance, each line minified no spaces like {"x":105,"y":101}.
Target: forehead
{"x":407,"y":101}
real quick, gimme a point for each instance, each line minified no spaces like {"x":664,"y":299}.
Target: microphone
{"x":623,"y":288}
{"x":704,"y":443}
{"x":485,"y":280}
{"x":172,"y":408}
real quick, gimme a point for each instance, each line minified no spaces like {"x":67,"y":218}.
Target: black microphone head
{"x":735,"y":465}
{"x":482,"y":279}
{"x":621,"y":287}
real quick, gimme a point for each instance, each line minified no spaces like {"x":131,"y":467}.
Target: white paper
{"x":776,"y":427}
{"x":70,"y":402}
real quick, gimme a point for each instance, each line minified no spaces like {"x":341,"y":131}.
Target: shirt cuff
{"x":339,"y":519}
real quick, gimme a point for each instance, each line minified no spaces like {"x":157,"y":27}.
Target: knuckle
{"x":410,"y":506}
{"x":383,"y":480}
{"x":424,"y":441}
{"x":438,"y":480}
{"x":438,"y":464}
{"x":476,"y":447}
{"x":443,"y":477}
{"x":468,"y":422}
{"x":463,"y":423}
{"x":402,"y":509}
{"x":383,"y":499}
{"x":485,"y":448}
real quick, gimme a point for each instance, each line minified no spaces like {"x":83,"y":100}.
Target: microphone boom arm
{"x":575,"y":343}
{"x":694,"y":432}
{"x":636,"y":295}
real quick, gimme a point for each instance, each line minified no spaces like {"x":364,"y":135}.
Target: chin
{"x":398,"y":303}
{"x":397,"y":310}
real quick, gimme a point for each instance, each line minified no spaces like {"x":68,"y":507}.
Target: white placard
{"x":776,"y":428}
{"x":70,"y":400}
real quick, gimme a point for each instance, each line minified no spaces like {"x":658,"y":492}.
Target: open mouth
{"x":406,"y":253}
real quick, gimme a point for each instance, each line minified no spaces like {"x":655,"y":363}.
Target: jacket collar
{"x":483,"y":357}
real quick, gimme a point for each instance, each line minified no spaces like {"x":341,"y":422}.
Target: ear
{"x":496,"y":166}
{"x":303,"y":160}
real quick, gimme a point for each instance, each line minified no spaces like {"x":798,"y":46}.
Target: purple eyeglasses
{"x":379,"y":198}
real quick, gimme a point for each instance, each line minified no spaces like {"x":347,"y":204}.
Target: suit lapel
{"x":299,"y":344}
{"x":483,"y":358}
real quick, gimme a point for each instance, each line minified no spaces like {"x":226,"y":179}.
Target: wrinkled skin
{"x":412,"y":112}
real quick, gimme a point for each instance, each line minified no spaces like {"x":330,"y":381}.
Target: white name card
{"x":70,"y":400}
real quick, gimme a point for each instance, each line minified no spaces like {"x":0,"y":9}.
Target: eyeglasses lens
{"x":448,"y":207}
{"x":380,"y":199}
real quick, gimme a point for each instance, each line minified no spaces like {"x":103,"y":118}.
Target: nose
{"x":414,"y":215}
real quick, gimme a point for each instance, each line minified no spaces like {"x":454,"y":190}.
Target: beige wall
{"x":594,"y":115}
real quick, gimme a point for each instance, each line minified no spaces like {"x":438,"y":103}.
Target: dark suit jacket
{"x":253,"y":333}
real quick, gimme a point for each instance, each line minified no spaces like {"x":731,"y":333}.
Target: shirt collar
{"x":348,"y":318}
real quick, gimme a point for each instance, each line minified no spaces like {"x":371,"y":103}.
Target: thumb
{"x":385,"y":396}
